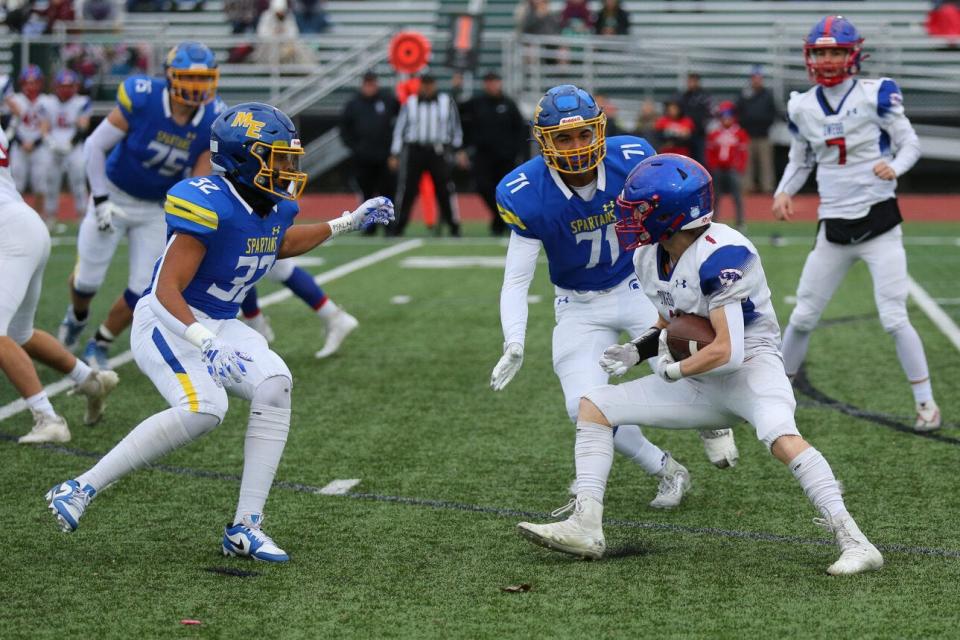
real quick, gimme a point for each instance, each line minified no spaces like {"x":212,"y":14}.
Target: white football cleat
{"x":928,"y":416}
{"x":339,"y":327}
{"x":857,"y":554}
{"x":261,"y":324}
{"x":46,"y":428}
{"x":579,"y":535}
{"x":720,"y":446}
{"x":674,"y":483}
{"x":96,"y":388}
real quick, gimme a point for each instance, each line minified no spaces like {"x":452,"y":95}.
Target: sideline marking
{"x":453,"y":262}
{"x":60,"y":386}
{"x":339,"y":487}
{"x":935,"y":312}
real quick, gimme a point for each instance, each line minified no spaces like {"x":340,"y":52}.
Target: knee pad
{"x":274,"y":392}
{"x":894,"y":320}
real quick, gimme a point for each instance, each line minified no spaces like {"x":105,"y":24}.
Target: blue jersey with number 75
{"x":241,"y":245}
{"x":156,"y":152}
{"x":578,"y":234}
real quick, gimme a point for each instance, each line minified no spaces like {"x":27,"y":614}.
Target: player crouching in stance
{"x":850,"y":128}
{"x":686,"y":265}
{"x":223,"y":234}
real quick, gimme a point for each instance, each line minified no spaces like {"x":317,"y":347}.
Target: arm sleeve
{"x":895,"y":122}
{"x":734,"y":313}
{"x":398,"y":128}
{"x":165,"y":317}
{"x":800,"y":162}
{"x":522,"y":254}
{"x":95,"y":149}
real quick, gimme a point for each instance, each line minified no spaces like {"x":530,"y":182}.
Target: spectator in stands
{"x":498,"y":136}
{"x":674,"y":130}
{"x":695,"y":103}
{"x":148,"y":5}
{"x":536,"y":18}
{"x":280,"y":37}
{"x":98,"y":10}
{"x":576,"y":19}
{"x":727,"y":154}
{"x":366,"y":128}
{"x":943,"y":21}
{"x":757,"y":111}
{"x":647,"y":121}
{"x":614,"y":128}
{"x":426,"y":132}
{"x":612,"y":19}
{"x":311,"y":18}
{"x":242,"y":15}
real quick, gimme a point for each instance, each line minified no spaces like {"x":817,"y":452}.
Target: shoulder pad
{"x":134,"y":93}
{"x":189,"y":208}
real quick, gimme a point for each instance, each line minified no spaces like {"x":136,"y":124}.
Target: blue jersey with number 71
{"x":578,"y":235}
{"x":156,"y":152}
{"x":241,"y":245}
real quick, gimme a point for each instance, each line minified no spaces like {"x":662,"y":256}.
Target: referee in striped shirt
{"x":426,"y":132}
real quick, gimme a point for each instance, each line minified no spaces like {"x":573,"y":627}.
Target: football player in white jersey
{"x":855,"y":131}
{"x":686,"y":265}
{"x":29,"y":157}
{"x":564,"y":201}
{"x":24,"y":249}
{"x":69,"y":117}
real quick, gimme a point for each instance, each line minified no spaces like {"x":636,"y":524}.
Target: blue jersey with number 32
{"x":578,"y":235}
{"x":241,"y":245}
{"x":156,"y":152}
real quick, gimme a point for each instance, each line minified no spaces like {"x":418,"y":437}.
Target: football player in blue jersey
{"x":224,"y":232}
{"x":565,"y":201}
{"x":156,"y":135}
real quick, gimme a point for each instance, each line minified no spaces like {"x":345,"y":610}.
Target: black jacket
{"x":696,"y":104}
{"x":366,"y":126}
{"x":756,"y":111}
{"x":494,"y":127}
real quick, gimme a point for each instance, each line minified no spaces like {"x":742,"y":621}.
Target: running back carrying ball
{"x":687,"y":334}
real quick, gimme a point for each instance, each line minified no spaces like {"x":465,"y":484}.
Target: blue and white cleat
{"x":70,"y":329}
{"x":96,"y":356}
{"x":247,"y":539}
{"x":68,"y":502}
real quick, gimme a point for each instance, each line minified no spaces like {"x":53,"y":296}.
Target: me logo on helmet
{"x":245,"y":119}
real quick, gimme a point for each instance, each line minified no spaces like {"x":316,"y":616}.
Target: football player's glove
{"x":224,"y":364}
{"x":667,"y":367}
{"x":507,"y":367}
{"x":105,"y":211}
{"x":377,"y":210}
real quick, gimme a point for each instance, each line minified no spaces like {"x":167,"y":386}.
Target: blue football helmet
{"x":65,"y":84}
{"x":663,"y":194}
{"x":192,"y":73}
{"x":561,"y":112}
{"x":31,"y":81}
{"x":258,"y":146}
{"x":833,"y":32}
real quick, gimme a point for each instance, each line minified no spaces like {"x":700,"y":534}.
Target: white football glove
{"x":377,"y":210}
{"x":617,"y":359}
{"x":667,"y":367}
{"x":105,"y":212}
{"x":507,"y":367}
{"x":224,"y":364}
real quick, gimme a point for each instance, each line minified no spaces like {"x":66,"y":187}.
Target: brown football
{"x":687,"y":334}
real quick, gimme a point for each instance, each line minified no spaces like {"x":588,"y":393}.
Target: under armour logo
{"x":680,"y":283}
{"x":562,"y":299}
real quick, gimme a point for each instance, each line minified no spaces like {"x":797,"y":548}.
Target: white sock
{"x":794,"y":348}
{"x":328,"y":310}
{"x":815,"y":476}
{"x":262,"y":450}
{"x":153,"y":438}
{"x":41,"y":404}
{"x":593,"y":454}
{"x":629,"y":441}
{"x":81,"y":371}
{"x":914,"y":361}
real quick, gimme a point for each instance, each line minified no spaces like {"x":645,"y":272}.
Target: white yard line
{"x":60,"y":386}
{"x":338,"y":487}
{"x":935,"y":312}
